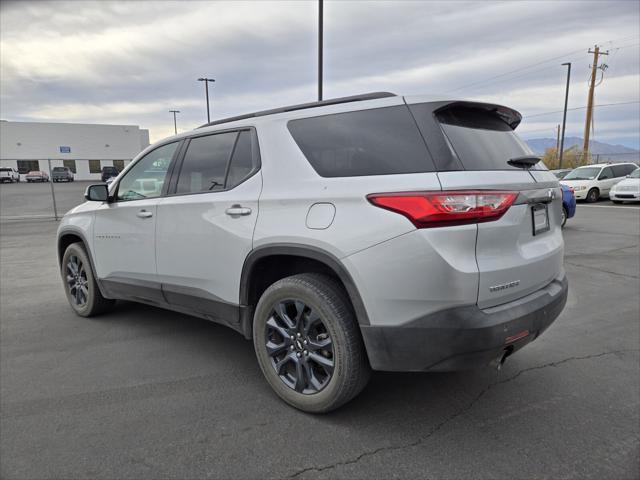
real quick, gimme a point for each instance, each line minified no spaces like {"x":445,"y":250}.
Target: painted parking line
{"x":630,"y":207}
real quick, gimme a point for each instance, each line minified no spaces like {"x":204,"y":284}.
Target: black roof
{"x":302,"y":106}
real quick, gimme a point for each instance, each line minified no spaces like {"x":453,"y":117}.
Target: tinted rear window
{"x":481,"y":139}
{"x":59,"y":169}
{"x":5,"y":169}
{"x":381,"y":141}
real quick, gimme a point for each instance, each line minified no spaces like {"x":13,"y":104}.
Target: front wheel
{"x":308,"y":343}
{"x":80,"y":283}
{"x":565,"y":215}
{"x":593,"y":195}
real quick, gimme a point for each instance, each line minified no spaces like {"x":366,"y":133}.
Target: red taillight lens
{"x":438,"y":209}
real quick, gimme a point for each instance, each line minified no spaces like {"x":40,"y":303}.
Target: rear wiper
{"x":526,"y":161}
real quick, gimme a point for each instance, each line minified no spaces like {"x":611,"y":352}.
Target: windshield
{"x":58,"y":169}
{"x":583,"y":173}
{"x":635,"y":174}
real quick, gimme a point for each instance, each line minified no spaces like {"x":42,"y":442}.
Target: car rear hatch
{"x":522,"y":250}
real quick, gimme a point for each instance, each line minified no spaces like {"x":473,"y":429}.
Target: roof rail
{"x":303,"y":106}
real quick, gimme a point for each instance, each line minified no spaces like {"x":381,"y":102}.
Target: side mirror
{"x":97,"y":193}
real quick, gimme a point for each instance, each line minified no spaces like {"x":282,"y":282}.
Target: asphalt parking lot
{"x":146,"y":393}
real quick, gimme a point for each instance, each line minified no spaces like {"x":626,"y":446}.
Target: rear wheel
{"x":564,"y":216}
{"x":80,"y":283}
{"x":308,"y":344}
{"x":593,"y":195}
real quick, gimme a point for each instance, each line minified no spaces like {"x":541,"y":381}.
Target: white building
{"x":85,"y":148}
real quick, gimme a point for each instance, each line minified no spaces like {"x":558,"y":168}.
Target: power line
{"x":582,"y":108}
{"x":515,"y":71}
{"x":527,"y":67}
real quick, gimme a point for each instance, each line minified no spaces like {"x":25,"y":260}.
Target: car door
{"x":206,"y":222}
{"x":124,"y":229}
{"x":606,"y":179}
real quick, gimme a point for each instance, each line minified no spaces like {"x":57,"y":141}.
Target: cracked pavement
{"x":145,"y":393}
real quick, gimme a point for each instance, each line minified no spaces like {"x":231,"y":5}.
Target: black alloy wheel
{"x":299,"y":346}
{"x":77,"y":281}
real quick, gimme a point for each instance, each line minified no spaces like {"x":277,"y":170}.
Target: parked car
{"x":594,"y":181}
{"x":62,"y":174}
{"x":37,"y":176}
{"x":568,"y":203}
{"x":109,"y":172}
{"x":560,"y":174}
{"x":354,"y":235}
{"x":9,"y":174}
{"x":628,"y":189}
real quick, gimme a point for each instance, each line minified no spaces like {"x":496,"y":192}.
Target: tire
{"x":565,"y":215}
{"x":593,"y":195}
{"x":335,"y":328}
{"x":89,"y":301}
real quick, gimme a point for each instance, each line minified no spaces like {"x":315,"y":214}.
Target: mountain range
{"x":603,"y":152}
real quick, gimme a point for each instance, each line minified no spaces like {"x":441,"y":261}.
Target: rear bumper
{"x":464,"y":337}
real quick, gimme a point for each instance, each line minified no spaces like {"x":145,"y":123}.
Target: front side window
{"x":606,"y":174}
{"x":146,"y":178}
{"x":380,"y":141}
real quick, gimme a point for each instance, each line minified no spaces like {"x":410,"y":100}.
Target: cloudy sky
{"x":130,"y":62}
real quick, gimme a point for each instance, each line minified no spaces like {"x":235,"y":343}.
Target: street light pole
{"x":320,"y":41}
{"x":564,"y":117}
{"x":206,"y":92}
{"x":175,"y":125}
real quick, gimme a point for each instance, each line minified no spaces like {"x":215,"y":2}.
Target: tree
{"x":571,"y":158}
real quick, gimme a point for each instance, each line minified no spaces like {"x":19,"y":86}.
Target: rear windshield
{"x":5,"y":169}
{"x":59,"y":169}
{"x":481,"y":139}
{"x":381,"y":141}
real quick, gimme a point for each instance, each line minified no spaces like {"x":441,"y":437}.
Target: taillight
{"x":438,"y":209}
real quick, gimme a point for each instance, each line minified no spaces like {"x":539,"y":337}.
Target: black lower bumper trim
{"x":464,"y":337}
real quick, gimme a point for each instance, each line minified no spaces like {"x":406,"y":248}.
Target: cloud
{"x":131,"y":62}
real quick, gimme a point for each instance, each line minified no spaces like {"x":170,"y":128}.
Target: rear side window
{"x":243,"y":161}
{"x":481,"y":139}
{"x":622,"y":170}
{"x":381,"y":141}
{"x":606,"y":174}
{"x":205,"y":163}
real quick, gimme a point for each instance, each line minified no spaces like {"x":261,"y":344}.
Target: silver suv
{"x":369,"y":232}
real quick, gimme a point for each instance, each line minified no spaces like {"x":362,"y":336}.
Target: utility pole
{"x":558,"y":142}
{"x":206,"y":92}
{"x":564,"y":117}
{"x":320,"y":33}
{"x":592,"y":85}
{"x":175,"y":125}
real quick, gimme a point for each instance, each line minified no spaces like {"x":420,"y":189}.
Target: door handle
{"x":144,"y":214}
{"x":237,"y":210}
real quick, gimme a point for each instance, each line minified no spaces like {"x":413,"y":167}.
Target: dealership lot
{"x":146,"y":393}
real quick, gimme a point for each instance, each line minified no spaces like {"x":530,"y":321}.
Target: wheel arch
{"x":268,"y":264}
{"x":66,"y":238}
